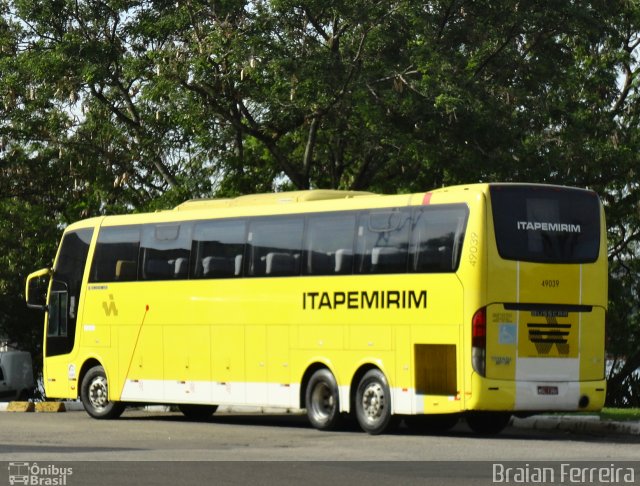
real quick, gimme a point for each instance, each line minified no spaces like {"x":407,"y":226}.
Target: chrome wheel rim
{"x":98,"y":394}
{"x":373,"y":402}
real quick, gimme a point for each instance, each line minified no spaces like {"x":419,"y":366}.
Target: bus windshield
{"x":546,"y":224}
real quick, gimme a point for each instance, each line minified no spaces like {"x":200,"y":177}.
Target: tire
{"x":94,"y":393}
{"x":197,"y":412}
{"x":373,"y":403}
{"x":431,"y":424}
{"x":488,"y":423}
{"x":322,"y":400}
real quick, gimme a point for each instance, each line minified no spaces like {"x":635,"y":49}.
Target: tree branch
{"x":311,"y":142}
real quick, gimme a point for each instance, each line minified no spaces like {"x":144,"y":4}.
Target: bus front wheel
{"x":373,"y":403}
{"x":94,"y":393}
{"x":322,"y":400}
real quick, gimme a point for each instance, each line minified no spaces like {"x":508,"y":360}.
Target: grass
{"x":617,"y":414}
{"x":620,"y":414}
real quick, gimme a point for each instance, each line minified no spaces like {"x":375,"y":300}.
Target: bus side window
{"x":438,"y":233}
{"x":116,"y":256}
{"x":217,"y":248}
{"x":165,"y":251}
{"x":383,"y":241}
{"x":274,"y":246}
{"x":328,"y":248}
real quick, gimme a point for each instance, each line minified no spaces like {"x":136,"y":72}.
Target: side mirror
{"x":36,"y":289}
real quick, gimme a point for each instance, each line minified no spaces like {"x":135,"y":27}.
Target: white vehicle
{"x":16,"y":375}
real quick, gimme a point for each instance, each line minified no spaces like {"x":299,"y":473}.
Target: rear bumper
{"x":539,"y":396}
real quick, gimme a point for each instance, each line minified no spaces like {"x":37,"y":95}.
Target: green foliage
{"x":120,"y":106}
{"x":620,"y":414}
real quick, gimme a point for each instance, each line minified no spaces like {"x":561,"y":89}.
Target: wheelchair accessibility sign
{"x":508,"y":334}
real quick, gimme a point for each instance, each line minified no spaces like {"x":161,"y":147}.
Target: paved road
{"x":63,"y":439}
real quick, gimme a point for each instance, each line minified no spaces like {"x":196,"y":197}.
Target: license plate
{"x":547,"y":390}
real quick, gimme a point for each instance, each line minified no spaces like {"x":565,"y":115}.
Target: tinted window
{"x":66,"y":291}
{"x":116,"y":255}
{"x":329,"y":244}
{"x":437,"y":237}
{"x":543,"y":224}
{"x":383,"y":241}
{"x":217,"y":249}
{"x":57,"y":325}
{"x":165,"y":251}
{"x":73,"y":256}
{"x":274,"y":246}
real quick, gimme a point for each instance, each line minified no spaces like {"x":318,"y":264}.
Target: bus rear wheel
{"x":197,"y":412}
{"x":373,"y":403}
{"x":94,"y":393}
{"x":488,"y":423}
{"x":322,"y":400}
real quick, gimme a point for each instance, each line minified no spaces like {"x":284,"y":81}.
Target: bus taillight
{"x":479,"y":341}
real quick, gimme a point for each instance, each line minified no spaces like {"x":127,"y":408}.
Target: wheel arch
{"x":86,"y":366}
{"x":304,"y":382}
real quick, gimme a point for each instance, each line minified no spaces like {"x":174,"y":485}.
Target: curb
{"x":587,"y":424}
{"x":20,"y":407}
{"x":41,"y":407}
{"x":51,"y":407}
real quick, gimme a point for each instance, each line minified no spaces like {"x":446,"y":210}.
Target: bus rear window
{"x":546,"y":224}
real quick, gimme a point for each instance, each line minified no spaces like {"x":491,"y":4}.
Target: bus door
{"x":547,"y":292}
{"x":62,"y":305}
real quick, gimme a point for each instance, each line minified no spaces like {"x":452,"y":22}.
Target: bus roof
{"x":270,"y":198}
{"x":286,"y":202}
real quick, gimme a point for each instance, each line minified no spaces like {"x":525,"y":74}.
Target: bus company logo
{"x":545,"y":336}
{"x":36,"y":475}
{"x":110,"y":307}
{"x":550,"y":227}
{"x":376,"y":299}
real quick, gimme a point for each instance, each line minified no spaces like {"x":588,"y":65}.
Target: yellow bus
{"x":477,"y":301}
